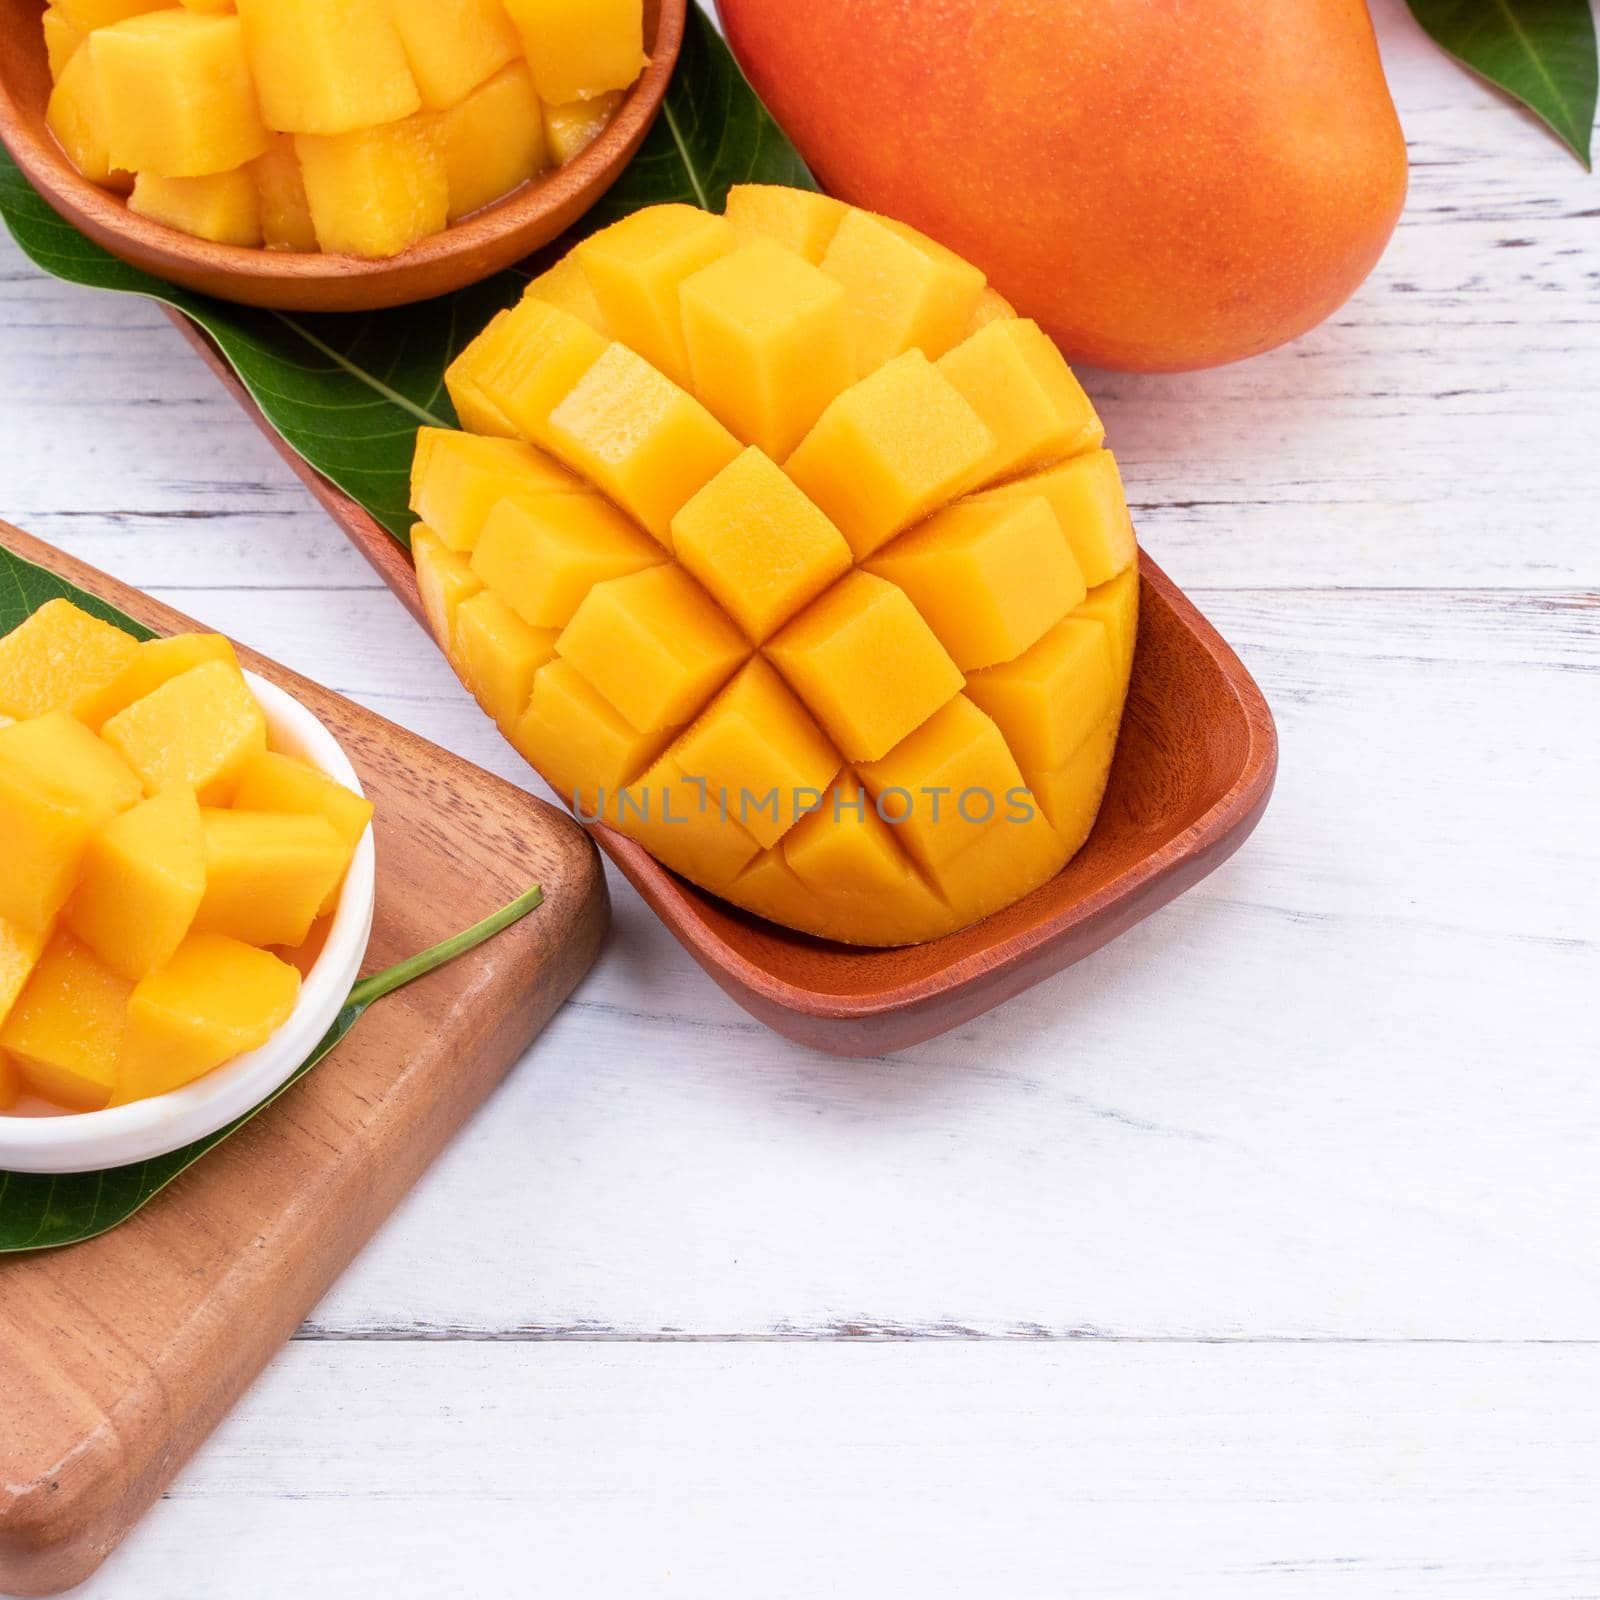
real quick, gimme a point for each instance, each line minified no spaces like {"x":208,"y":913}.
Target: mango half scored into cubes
{"x":781,"y":544}
{"x":158,"y":862}
{"x":354,"y":127}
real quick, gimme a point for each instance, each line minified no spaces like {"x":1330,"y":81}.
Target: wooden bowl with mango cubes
{"x":249,"y":157}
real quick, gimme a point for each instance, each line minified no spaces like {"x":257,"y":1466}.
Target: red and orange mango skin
{"x":1162,"y":184}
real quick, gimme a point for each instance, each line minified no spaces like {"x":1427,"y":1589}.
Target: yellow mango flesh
{"x":768,"y":342}
{"x":453,"y":49}
{"x":843,"y":627}
{"x":374,"y":191}
{"x":268,"y":874}
{"x":492,"y":142}
{"x":64,"y":1033}
{"x":354,"y":127}
{"x":580,"y":48}
{"x":58,"y":786}
{"x":215,"y":999}
{"x":58,"y":659}
{"x":141,"y":883}
{"x":176,"y":94}
{"x":224,"y":207}
{"x":198,"y":729}
{"x":121,"y":897}
{"x":570,"y":129}
{"x":457,"y":479}
{"x":146,"y":668}
{"x":286,"y":222}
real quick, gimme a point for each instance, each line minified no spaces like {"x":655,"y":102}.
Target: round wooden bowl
{"x":285,"y":280}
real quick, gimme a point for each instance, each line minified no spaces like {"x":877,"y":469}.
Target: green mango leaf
{"x":39,"y":1212}
{"x":1541,"y":52}
{"x":349,"y":392}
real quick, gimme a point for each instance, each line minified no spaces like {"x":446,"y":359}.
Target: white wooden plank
{"x":1030,"y":1471}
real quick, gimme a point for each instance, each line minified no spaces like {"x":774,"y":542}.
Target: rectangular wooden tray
{"x":1193,"y":774}
{"x":119,"y":1355}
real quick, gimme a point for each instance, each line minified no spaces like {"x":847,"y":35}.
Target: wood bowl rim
{"x":484,"y":242}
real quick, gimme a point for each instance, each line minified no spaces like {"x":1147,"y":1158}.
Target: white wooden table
{"x":1255,"y":1256}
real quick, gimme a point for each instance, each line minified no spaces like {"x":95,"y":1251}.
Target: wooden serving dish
{"x":119,"y":1355}
{"x":1193,"y":773}
{"x":472,"y":250}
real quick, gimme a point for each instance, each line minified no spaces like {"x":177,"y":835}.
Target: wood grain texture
{"x":475,"y":248}
{"x":120,"y":1354}
{"x":1342,"y":1091}
{"x":1033,"y":1470}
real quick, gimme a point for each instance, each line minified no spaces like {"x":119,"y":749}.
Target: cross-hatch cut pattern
{"x":779,"y":541}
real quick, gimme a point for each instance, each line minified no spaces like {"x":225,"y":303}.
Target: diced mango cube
{"x":526,"y":361}
{"x":991,"y":307}
{"x":375,"y":191}
{"x":272,"y":781}
{"x":640,"y":438}
{"x":1070,"y":796}
{"x":150,"y":664}
{"x":268,"y":874}
{"x":454,"y":48}
{"x":497,"y":654}
{"x":1005,"y":861}
{"x":904,"y":291}
{"x":476,"y":411}
{"x":224,"y":207}
{"x":583,"y":745}
{"x":654,"y":644}
{"x":950,"y":778}
{"x":215,"y":999}
{"x":285,"y":211}
{"x":58,"y":786}
{"x":636,"y":267}
{"x":1115,"y":605}
{"x":61,"y":40}
{"x":444,"y":580}
{"x":457,"y":479}
{"x":757,"y":746}
{"x":989,"y":577}
{"x":755,"y":541}
{"x":143,"y":876}
{"x":681,"y":820}
{"x":1052,"y":697}
{"x":65,"y":1031}
{"x":1016,"y":380}
{"x":543,"y":553}
{"x":890,"y":450}
{"x":493,"y":141}
{"x":199,"y":728}
{"x":87,"y":15}
{"x":327,"y":66}
{"x":1086,"y":496}
{"x":20,"y":949}
{"x":570,"y":129}
{"x":75,"y":116}
{"x":866,"y":888}
{"x":799,"y":219}
{"x":768,"y":343}
{"x":837,"y":653}
{"x":176,"y":94}
{"x":580,"y":48}
{"x":567,"y":285}
{"x":57,"y":658}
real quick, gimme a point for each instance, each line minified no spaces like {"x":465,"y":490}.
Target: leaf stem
{"x":425,"y":961}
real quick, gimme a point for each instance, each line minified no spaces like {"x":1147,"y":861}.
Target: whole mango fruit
{"x":1162,"y":184}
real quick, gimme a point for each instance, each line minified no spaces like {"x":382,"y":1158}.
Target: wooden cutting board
{"x":119,"y":1355}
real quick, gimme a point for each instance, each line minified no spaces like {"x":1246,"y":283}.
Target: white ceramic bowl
{"x":89,"y":1140}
